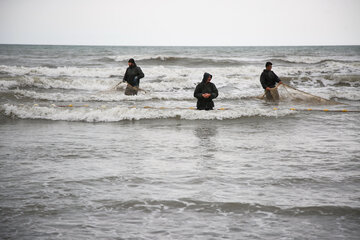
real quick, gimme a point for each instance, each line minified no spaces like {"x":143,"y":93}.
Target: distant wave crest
{"x":220,"y":61}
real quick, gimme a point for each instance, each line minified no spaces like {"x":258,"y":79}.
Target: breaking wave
{"x":189,"y":61}
{"x":103,"y":113}
{"x":230,"y":207}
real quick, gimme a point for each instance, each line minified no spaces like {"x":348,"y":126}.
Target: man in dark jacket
{"x":268,"y":81}
{"x":205,"y":92}
{"x":132,"y":76}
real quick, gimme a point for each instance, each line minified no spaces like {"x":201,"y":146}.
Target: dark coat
{"x":203,"y":87}
{"x":131,"y":73}
{"x":268,"y":79}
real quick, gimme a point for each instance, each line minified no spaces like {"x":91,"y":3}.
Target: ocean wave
{"x":4,"y":85}
{"x":343,"y":80}
{"x":160,"y":78}
{"x":159,"y":72}
{"x":108,"y":60}
{"x":192,"y":61}
{"x":167,"y":92}
{"x":62,"y":82}
{"x":349,"y":80}
{"x":229,"y":207}
{"x":120,"y":113}
{"x":313,"y":61}
{"x":118,"y":95}
{"x":162,"y":82}
{"x":221,"y":61}
{"x":60,"y":71}
{"x":347,"y":94}
{"x":48,"y":65}
{"x":186,"y":61}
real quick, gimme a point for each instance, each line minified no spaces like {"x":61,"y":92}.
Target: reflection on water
{"x":207,"y":141}
{"x":205,"y":132}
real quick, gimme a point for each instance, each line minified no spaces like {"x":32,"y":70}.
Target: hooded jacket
{"x":131,"y":73}
{"x":204,"y":87}
{"x":268,"y":79}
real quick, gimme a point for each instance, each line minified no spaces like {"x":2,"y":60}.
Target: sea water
{"x":81,"y":161}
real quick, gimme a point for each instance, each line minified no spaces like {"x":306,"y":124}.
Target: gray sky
{"x":180,"y":22}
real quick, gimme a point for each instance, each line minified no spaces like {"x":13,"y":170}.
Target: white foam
{"x":160,"y":78}
{"x":7,"y":84}
{"x":317,"y":59}
{"x":117,"y":96}
{"x":120,"y":113}
{"x":60,"y":71}
{"x":157,"y":78}
{"x":168,"y":83}
{"x":348,"y":93}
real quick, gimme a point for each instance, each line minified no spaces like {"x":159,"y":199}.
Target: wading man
{"x":132,"y":76}
{"x":268,"y":81}
{"x":205,"y":92}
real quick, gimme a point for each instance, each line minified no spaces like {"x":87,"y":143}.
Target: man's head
{"x":268,"y":66}
{"x":207,"y":77}
{"x":131,"y":62}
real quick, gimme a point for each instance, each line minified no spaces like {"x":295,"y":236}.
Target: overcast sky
{"x":181,"y":22}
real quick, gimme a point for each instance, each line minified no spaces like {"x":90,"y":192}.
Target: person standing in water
{"x":268,"y":80}
{"x":205,"y":92}
{"x":132,"y":76}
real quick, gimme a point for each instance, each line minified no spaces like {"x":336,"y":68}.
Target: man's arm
{"x":215,"y":92}
{"x":277,"y":79}
{"x":197,"y":92}
{"x":263,"y":81}
{"x":140,"y":73}
{"x":125,"y":78}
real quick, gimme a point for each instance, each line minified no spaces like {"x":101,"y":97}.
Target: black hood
{"x":131,"y":60}
{"x":205,"y":77}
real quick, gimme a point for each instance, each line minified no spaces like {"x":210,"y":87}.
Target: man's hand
{"x":267,"y":89}
{"x":280,"y":82}
{"x":206,"y":95}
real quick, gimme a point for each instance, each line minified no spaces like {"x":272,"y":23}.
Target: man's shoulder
{"x":200,"y":85}
{"x":211,"y":85}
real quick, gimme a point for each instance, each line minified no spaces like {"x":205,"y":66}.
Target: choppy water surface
{"x":109,"y":171}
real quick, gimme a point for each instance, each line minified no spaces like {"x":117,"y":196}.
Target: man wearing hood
{"x":268,"y":81}
{"x":132,"y":76}
{"x":205,"y":92}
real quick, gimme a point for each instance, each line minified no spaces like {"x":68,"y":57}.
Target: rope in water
{"x":193,"y":108}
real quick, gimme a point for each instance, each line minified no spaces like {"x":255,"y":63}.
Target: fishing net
{"x":286,"y":93}
{"x":130,"y":90}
